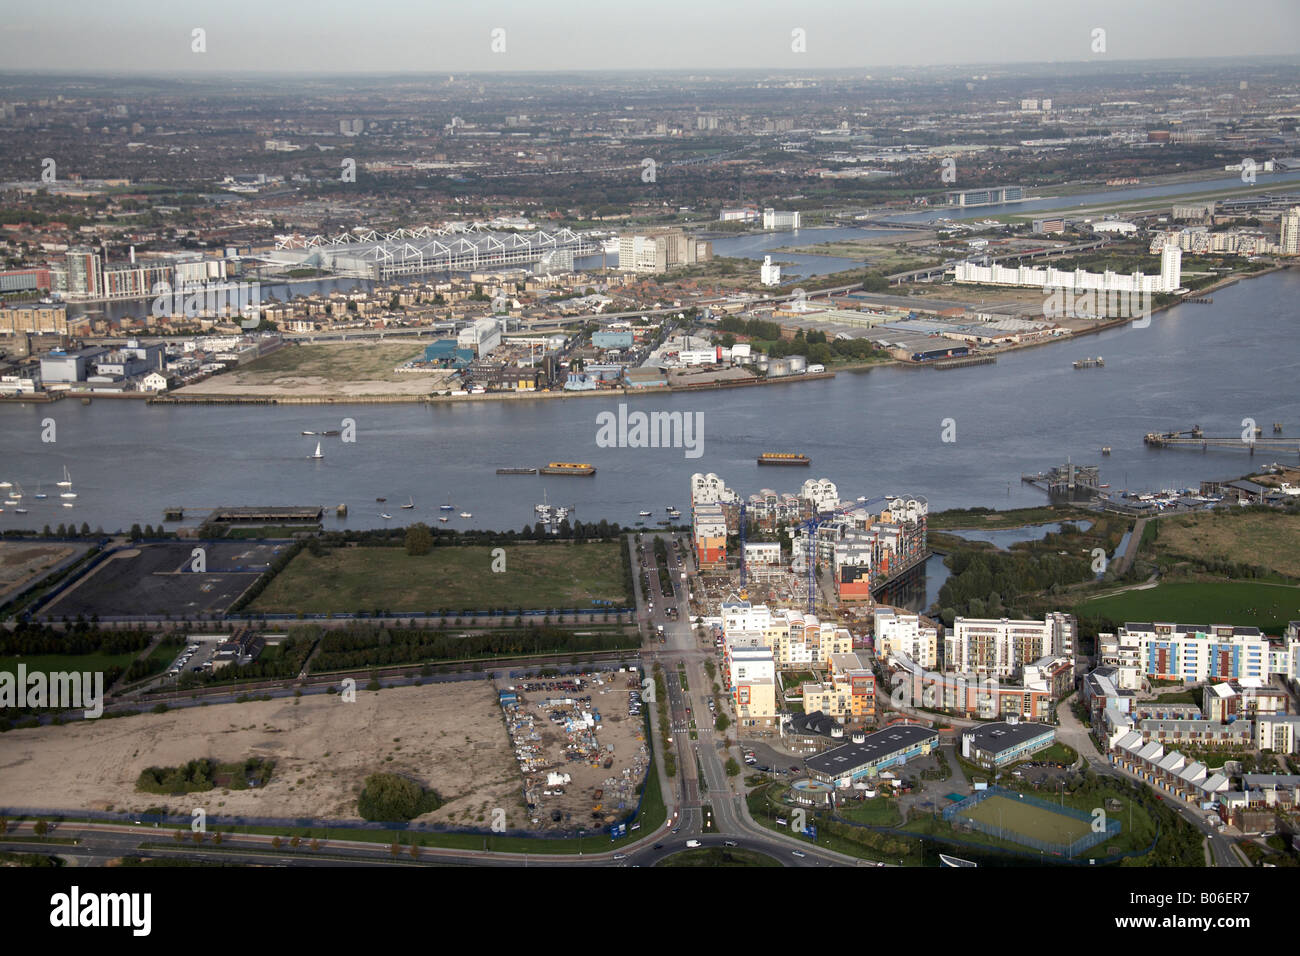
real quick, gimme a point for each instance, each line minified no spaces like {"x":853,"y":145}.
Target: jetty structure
{"x":1195,"y":437}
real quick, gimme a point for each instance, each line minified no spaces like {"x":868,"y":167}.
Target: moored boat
{"x":783,"y":458}
{"x":569,"y":468}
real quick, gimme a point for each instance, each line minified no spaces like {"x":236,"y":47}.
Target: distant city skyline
{"x":419,"y":36}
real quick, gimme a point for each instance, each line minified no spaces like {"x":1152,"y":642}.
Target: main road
{"x":701,"y":750}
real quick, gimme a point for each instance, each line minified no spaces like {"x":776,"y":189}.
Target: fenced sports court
{"x":1029,"y":821}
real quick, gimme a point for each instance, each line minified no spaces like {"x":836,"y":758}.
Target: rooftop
{"x":876,"y":747}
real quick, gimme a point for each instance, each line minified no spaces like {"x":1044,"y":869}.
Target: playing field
{"x":1025,"y":819}
{"x":1248,"y":603}
{"x":457,"y":578}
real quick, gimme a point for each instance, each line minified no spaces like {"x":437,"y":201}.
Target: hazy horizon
{"x":332,"y":37}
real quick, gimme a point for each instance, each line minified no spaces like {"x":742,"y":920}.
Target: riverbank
{"x":220,"y":399}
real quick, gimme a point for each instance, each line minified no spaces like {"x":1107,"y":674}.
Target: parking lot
{"x":196,"y":657}
{"x":158,"y":579}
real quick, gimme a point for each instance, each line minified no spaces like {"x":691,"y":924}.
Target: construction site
{"x":581,"y":746}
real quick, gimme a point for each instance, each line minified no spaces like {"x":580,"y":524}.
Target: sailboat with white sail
{"x":317,"y":453}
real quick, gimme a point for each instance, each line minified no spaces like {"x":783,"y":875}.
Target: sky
{"x":437,"y":36}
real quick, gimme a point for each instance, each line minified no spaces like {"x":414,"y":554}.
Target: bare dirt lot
{"x":447,"y":736}
{"x":22,"y":561}
{"x":343,"y":370}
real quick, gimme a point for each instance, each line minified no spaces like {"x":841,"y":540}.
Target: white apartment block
{"x":776,"y":219}
{"x":765,"y":553}
{"x":1191,"y":652}
{"x":822,"y":493}
{"x":897,"y":632}
{"x":1279,"y":733}
{"x":710,"y":489}
{"x":743,"y":616}
{"x":1004,"y":647}
{"x":749,"y":664}
{"x":1289,"y":240}
{"x":1169,"y":278}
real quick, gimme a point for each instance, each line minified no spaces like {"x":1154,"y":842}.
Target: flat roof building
{"x":868,"y":755}
{"x":1005,"y":742}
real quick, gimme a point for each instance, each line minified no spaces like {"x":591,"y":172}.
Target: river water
{"x":872,"y":432}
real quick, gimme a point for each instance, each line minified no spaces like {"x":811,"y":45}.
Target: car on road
{"x":799,"y":853}
{"x":659,"y":846}
{"x":691,"y":844}
{"x":729,"y":843}
{"x":620,"y":856}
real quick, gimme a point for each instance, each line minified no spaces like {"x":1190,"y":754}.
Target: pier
{"x":1068,"y":480}
{"x":942,"y":364}
{"x":1195,"y":437}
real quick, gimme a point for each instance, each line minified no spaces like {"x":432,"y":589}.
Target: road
{"x":1075,"y":735}
{"x":682,"y":652}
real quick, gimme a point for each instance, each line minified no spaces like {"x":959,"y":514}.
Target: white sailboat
{"x":67,"y":479}
{"x":318,"y":452}
{"x":17,"y":491}
{"x":410,"y":503}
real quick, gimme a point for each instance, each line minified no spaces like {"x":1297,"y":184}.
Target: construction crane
{"x":809,"y":527}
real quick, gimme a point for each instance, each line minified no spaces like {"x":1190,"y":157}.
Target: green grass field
{"x":536,"y":576}
{"x":1248,"y":603}
{"x":46,"y":663}
{"x":1015,"y":816}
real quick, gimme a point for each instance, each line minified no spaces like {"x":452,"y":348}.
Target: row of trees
{"x":82,"y":637}
{"x":351,"y":648}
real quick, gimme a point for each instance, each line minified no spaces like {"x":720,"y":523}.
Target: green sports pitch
{"x":1019,"y":818}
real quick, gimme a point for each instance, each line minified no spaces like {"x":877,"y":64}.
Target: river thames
{"x":871,"y":432}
